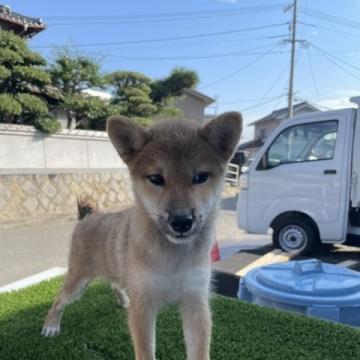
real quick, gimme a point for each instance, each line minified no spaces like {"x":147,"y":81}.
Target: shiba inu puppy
{"x":158,"y":251}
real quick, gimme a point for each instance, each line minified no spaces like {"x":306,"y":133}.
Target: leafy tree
{"x":72,"y":73}
{"x":132,"y":93}
{"x":164,"y":90}
{"x":23,"y":81}
{"x":92,"y":112}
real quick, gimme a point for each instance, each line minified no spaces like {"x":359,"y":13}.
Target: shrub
{"x":47,"y":124}
{"x":9,"y":107}
{"x":169,"y":112}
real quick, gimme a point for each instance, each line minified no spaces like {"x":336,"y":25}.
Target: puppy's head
{"x":177,"y":168}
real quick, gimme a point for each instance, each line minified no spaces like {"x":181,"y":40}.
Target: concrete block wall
{"x":31,"y":198}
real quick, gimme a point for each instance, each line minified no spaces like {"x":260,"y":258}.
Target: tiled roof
{"x":30,"y":25}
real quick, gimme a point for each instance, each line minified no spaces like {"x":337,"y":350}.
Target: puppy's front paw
{"x":125,"y":302}
{"x":50,"y":331}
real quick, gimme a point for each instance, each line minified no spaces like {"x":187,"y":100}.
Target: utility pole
{"x":292,"y":60}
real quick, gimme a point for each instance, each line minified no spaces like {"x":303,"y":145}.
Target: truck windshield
{"x":305,"y":142}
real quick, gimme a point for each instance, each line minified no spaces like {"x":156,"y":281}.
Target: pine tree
{"x":23,"y":81}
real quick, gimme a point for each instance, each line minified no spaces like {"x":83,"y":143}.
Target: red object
{"x":215,"y":253}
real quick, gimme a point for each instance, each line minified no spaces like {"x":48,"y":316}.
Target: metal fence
{"x":233,"y":174}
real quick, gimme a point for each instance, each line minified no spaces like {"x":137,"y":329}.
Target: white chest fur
{"x":173,"y":286}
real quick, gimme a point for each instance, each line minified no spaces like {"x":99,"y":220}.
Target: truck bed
{"x":355,"y":188}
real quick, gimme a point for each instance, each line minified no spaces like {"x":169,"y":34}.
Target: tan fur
{"x":137,"y":249}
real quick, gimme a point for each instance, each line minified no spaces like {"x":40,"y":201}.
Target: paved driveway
{"x":27,"y":251}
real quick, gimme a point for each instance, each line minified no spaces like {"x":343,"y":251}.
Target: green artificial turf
{"x":95,"y":328}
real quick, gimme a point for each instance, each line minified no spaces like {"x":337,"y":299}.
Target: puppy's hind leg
{"x":121,"y":296}
{"x":73,"y":288}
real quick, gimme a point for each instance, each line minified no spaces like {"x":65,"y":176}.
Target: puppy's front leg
{"x":196,"y":326}
{"x":142,"y":319}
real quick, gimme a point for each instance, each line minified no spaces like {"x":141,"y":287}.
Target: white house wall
{"x":268,"y":127}
{"x":191,"y":107}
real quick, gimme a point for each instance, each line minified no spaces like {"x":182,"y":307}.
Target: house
{"x":60,"y":114}
{"x":193,"y":104}
{"x":267,"y":124}
{"x":20,"y":25}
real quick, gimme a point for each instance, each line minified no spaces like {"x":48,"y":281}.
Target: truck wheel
{"x":295,"y":236}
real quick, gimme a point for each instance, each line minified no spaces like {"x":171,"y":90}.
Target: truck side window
{"x":300,"y":143}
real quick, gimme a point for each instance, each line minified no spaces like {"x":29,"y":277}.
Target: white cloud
{"x":337,"y":99}
{"x":344,"y":93}
{"x":335,"y":103}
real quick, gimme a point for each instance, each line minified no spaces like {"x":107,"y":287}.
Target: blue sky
{"x":218,"y":60}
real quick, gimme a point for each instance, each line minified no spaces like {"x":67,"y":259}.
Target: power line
{"x":307,"y":24}
{"x":163,"y":15}
{"x":111,"y":20}
{"x":313,"y":74}
{"x":200,"y":57}
{"x":232,"y":74}
{"x":197,"y":44}
{"x":240,"y":101}
{"x":314,"y":103}
{"x":278,"y":100}
{"x":330,"y":18}
{"x":261,"y":104}
{"x":332,"y":29}
{"x":175,"y":38}
{"x":266,"y":93}
{"x":197,"y":57}
{"x":336,"y":64}
{"x":276,"y":81}
{"x":336,"y":58}
{"x":296,"y":62}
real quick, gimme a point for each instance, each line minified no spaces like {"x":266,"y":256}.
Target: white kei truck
{"x":304,"y":183}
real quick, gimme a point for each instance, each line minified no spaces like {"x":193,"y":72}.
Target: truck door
{"x":304,"y":169}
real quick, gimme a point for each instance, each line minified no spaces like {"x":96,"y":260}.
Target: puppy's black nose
{"x":181,"y":223}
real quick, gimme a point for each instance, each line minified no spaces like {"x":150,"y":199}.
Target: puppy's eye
{"x":157,"y":179}
{"x":200,"y":177}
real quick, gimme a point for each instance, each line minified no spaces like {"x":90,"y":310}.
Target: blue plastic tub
{"x":309,"y":287}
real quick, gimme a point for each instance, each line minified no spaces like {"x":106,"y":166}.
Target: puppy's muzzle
{"x":181,"y":223}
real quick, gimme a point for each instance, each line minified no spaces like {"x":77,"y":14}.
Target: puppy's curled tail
{"x":86,"y":206}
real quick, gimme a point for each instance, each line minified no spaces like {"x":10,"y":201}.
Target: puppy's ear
{"x":223,"y":133}
{"x":127,"y":137}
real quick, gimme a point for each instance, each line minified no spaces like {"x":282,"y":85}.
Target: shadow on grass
{"x":96,"y":328}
